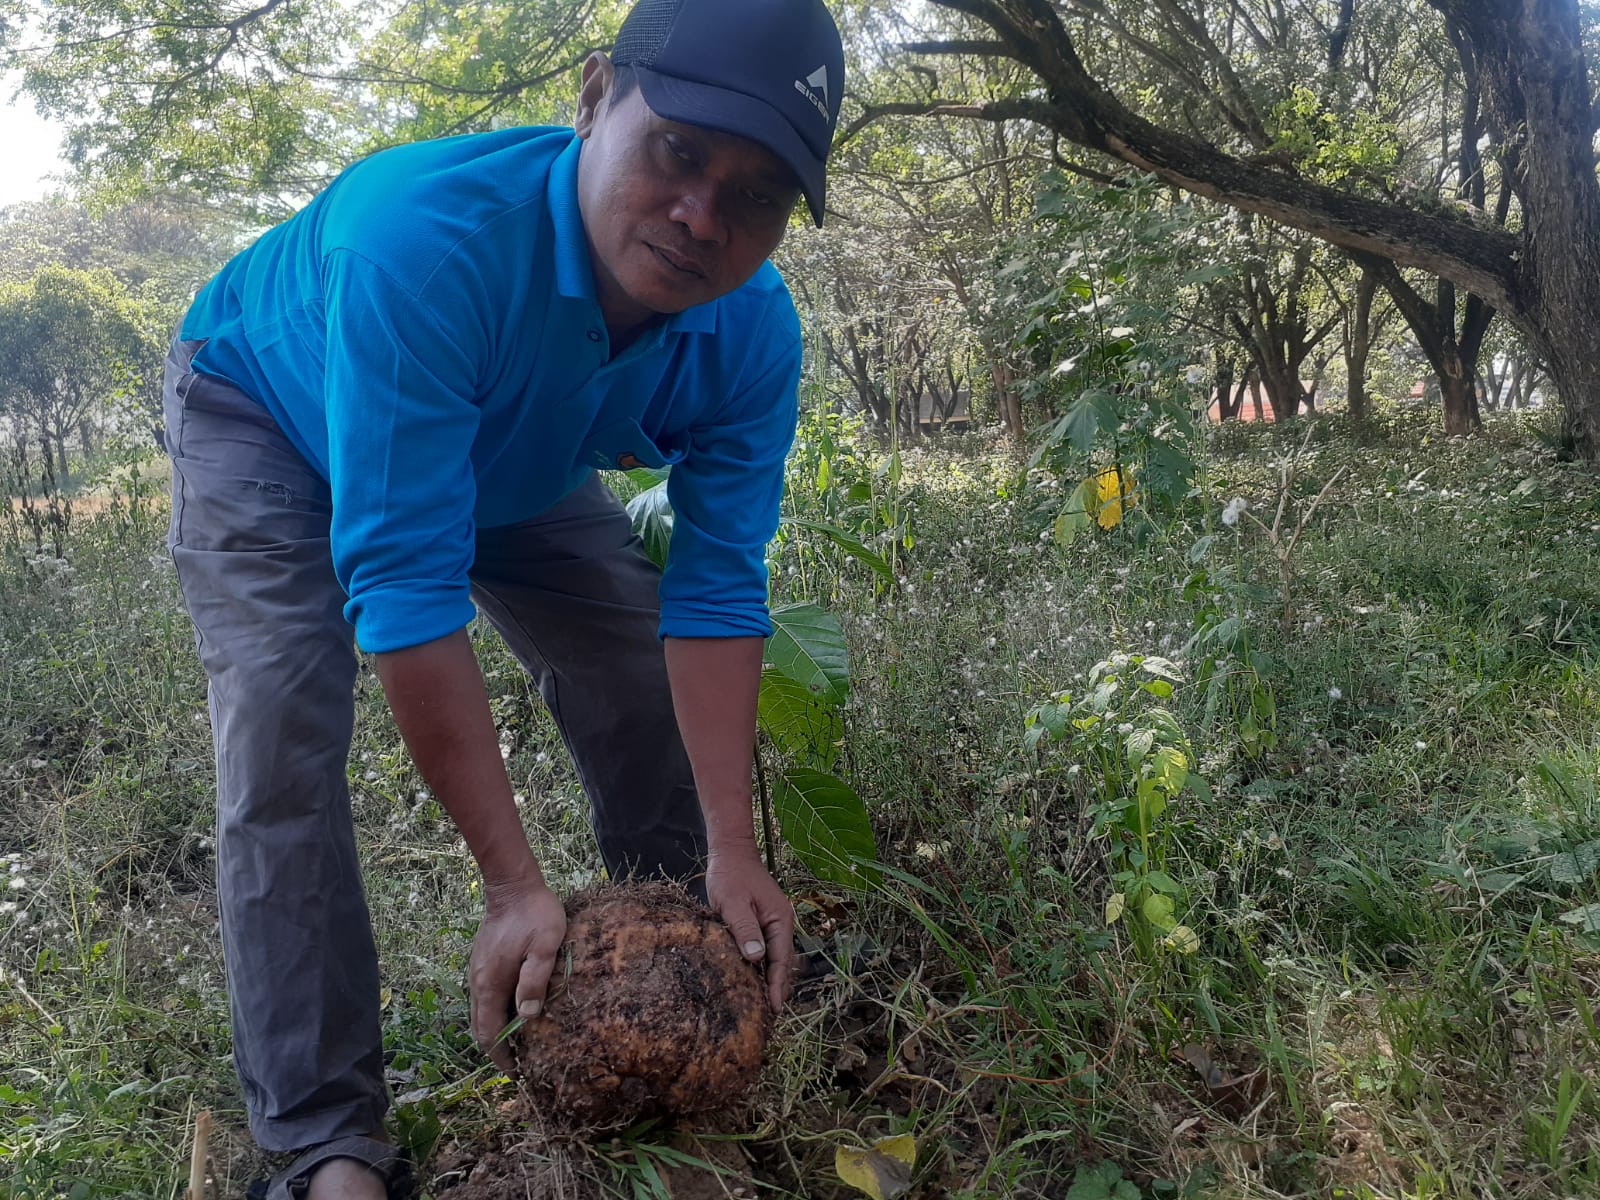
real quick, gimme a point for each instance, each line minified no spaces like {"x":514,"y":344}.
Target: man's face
{"x":676,"y":215}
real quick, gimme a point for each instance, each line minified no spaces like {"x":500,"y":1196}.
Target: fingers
{"x":491,"y":1012}
{"x":532,"y":982}
{"x":746,"y":930}
{"x":781,"y":954}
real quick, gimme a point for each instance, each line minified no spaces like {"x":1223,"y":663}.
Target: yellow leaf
{"x":1113,"y":489}
{"x":1184,"y":940}
{"x":882,"y":1172}
{"x":1115,"y":905}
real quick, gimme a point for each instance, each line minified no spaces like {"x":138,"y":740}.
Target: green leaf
{"x":1577,"y":864}
{"x":648,"y":477}
{"x":1138,"y":744}
{"x":808,"y":646}
{"x":1158,"y":909}
{"x":1103,"y":1181}
{"x":651,"y":514}
{"x":1586,"y":918}
{"x":826,"y":825}
{"x":1082,"y":423}
{"x":1077,"y":515}
{"x":848,"y":542}
{"x":797,"y":723}
{"x":1162,"y":882}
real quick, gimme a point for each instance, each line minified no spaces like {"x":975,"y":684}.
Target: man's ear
{"x":597,"y":75}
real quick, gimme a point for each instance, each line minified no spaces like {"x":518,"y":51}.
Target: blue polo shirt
{"x":426,"y":333}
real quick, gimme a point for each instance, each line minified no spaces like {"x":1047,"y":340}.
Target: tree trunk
{"x":1283,"y":392}
{"x":1360,"y":347}
{"x":1459,"y":394}
{"x":1535,"y":77}
{"x":1006,"y":398}
{"x":1223,"y":370}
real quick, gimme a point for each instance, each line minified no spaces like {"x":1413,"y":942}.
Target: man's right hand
{"x":512,"y":958}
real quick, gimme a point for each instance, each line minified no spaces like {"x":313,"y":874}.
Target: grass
{"x":1393,"y":984}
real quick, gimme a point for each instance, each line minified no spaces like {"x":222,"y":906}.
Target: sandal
{"x":294,"y":1181}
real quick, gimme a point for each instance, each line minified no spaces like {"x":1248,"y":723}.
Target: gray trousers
{"x":574,"y":596}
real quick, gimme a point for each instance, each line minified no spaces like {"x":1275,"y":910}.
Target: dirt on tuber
{"x":651,"y":1012}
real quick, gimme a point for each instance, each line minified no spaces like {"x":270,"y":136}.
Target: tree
{"x":257,"y":103}
{"x":1528,"y":57}
{"x":1269,"y":306}
{"x":73,"y":342}
{"x":161,"y":246}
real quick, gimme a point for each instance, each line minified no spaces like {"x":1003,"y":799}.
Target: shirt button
{"x":594,"y":335}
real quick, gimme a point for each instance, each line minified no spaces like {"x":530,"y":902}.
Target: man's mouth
{"x":680,"y":264}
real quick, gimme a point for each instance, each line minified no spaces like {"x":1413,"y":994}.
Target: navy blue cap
{"x":768,"y":70}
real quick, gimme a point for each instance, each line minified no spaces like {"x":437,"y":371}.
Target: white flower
{"x":1235,"y":507}
{"x":1193,"y":375}
{"x":1422,"y":745}
{"x":1335,"y":694}
{"x":17,"y":883}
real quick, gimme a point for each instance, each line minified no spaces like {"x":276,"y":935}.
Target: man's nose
{"x":698,"y":209}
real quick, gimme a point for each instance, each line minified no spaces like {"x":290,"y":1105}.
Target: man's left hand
{"x":757,"y":911}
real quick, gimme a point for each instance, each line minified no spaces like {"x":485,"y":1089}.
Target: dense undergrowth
{"x":1206,"y":872}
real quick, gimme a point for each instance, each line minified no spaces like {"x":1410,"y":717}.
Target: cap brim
{"x":743,"y":116}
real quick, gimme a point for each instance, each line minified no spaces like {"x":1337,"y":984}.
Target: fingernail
{"x":530,"y":1008}
{"x":753,"y":949}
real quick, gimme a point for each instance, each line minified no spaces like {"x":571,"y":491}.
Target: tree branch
{"x":1081,"y":110}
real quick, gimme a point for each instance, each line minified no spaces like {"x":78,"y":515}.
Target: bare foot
{"x":346,"y":1179}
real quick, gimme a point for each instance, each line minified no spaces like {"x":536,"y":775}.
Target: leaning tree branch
{"x":977,"y":48}
{"x":1083,"y":111}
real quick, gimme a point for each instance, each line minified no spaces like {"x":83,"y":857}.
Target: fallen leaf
{"x":1182,"y":939}
{"x":831,"y":907}
{"x":883,"y":1171}
{"x":1232,"y":1094}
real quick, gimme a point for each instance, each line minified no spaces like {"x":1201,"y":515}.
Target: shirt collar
{"x":574,"y":276}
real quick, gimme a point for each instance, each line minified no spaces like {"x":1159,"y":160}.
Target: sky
{"x":31,"y":144}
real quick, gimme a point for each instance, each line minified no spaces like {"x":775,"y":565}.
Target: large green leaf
{"x":827,"y":827}
{"x":846,"y":541}
{"x":807,"y":645}
{"x":1075,"y":517}
{"x":797,"y":724}
{"x":651,"y":513}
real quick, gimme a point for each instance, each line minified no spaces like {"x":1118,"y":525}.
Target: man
{"x":385,"y":415}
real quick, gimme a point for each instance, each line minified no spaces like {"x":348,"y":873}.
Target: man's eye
{"x":758,"y":199}
{"x":679,"y":151}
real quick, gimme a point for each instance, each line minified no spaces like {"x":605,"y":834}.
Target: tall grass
{"x":1393,"y":982}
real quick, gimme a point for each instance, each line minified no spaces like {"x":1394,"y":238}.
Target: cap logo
{"x":816,"y":82}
